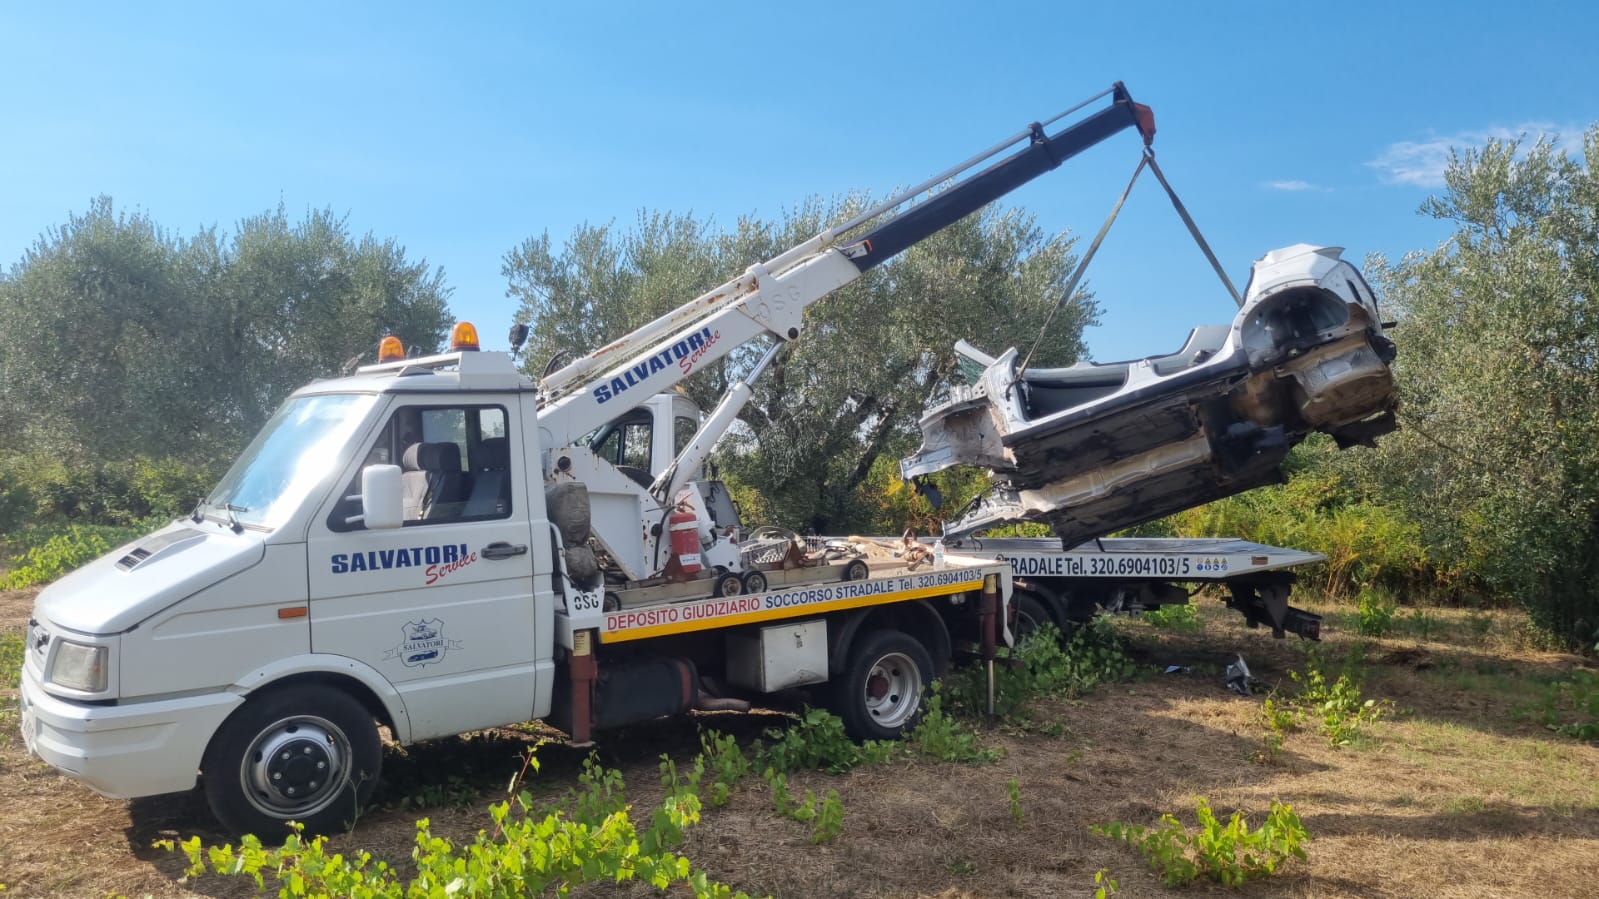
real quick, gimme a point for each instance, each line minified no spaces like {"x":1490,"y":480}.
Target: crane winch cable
{"x":1146,"y":159}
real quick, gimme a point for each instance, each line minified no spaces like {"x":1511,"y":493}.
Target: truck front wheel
{"x":880,"y":693}
{"x":304,"y":753}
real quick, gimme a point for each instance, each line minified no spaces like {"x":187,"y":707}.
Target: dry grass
{"x":1449,"y":796}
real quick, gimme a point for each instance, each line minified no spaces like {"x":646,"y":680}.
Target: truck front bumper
{"x":123,"y":751}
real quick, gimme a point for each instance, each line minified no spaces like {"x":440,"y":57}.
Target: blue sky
{"x":460,"y":131}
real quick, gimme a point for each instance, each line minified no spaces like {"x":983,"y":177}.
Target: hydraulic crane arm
{"x":771,"y":297}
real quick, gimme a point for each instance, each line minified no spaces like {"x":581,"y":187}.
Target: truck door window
{"x":446,"y":426}
{"x":626,"y":444}
{"x":454,"y":466}
{"x":683,"y":429}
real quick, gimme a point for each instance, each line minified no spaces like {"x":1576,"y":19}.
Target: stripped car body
{"x":1095,"y":447}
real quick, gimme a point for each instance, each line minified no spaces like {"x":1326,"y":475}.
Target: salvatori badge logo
{"x":423,"y":644}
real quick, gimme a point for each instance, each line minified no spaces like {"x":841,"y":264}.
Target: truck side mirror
{"x":381,"y":497}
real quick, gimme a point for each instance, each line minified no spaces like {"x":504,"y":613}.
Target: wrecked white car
{"x":1095,"y":447}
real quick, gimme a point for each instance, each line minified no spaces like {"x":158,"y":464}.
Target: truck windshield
{"x":296,"y":450}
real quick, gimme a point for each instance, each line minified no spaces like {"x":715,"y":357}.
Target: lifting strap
{"x":1147,"y":159}
{"x":1193,"y":229}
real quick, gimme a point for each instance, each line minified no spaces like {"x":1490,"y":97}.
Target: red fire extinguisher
{"x":685,"y":528}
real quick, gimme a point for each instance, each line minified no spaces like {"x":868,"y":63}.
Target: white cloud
{"x":1294,"y":185}
{"x":1421,"y":163}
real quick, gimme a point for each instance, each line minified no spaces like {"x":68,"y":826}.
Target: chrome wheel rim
{"x":893,"y":690}
{"x":296,"y":767}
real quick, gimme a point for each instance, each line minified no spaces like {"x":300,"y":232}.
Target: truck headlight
{"x":79,"y":666}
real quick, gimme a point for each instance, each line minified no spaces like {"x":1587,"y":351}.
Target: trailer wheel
{"x":857,"y":570}
{"x":305,"y":753}
{"x":880,"y":693}
{"x":728,"y":584}
{"x":754,"y":582}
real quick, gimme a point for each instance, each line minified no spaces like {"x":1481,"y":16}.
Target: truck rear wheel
{"x":305,"y":753}
{"x":880,"y":693}
{"x":1031,"y":614}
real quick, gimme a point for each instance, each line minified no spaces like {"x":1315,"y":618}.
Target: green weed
{"x":945,"y":738}
{"x":1569,"y":706}
{"x":1421,"y":624}
{"x":1339,"y":704}
{"x":455,"y":792}
{"x":527,"y":853}
{"x":1183,"y":617}
{"x":599,"y":794}
{"x":12,"y":647}
{"x":1105,"y":886}
{"x":818,"y":740}
{"x":1014,"y":791}
{"x":1228,"y":853}
{"x":826,"y":816}
{"x":1375,"y":611}
{"x":829,"y":818}
{"x":1280,"y":719}
{"x":1480,"y":624}
{"x":680,"y":807}
{"x":726,"y":763}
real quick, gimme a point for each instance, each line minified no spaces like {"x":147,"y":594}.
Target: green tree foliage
{"x":850,"y":390}
{"x":1498,"y":458}
{"x":123,"y":338}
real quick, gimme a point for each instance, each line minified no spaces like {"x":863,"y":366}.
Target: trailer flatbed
{"x":1135,"y":574}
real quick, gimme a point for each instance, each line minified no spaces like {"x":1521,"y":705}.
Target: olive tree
{"x":1498,"y":369}
{"x":123,"y":339}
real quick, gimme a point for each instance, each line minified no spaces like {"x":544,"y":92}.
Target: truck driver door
{"x":443,"y":605}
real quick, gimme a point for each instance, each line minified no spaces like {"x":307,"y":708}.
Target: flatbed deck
{"x":1173,"y":558}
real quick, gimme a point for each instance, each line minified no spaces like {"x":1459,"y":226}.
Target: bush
{"x":47,"y":553}
{"x":117,"y":491}
{"x":17,"y":504}
{"x":1366,"y":543}
{"x":1092,"y":655}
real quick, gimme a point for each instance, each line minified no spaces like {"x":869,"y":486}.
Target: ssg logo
{"x":684,"y":354}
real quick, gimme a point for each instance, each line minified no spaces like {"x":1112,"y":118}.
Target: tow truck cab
{"x":437,"y":621}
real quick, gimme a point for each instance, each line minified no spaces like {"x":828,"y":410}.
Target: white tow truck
{"x":439,"y":545}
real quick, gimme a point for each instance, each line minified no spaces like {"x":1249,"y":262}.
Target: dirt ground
{"x":1451,"y":795}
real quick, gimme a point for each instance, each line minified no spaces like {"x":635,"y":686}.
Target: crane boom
{"x":771,"y":297}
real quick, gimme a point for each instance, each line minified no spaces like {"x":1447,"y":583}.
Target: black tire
{"x":879,"y":695}
{"x":857,"y":570}
{"x":1031,"y":614}
{"x":284,"y":742}
{"x":728,"y":584}
{"x":754,"y":582}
